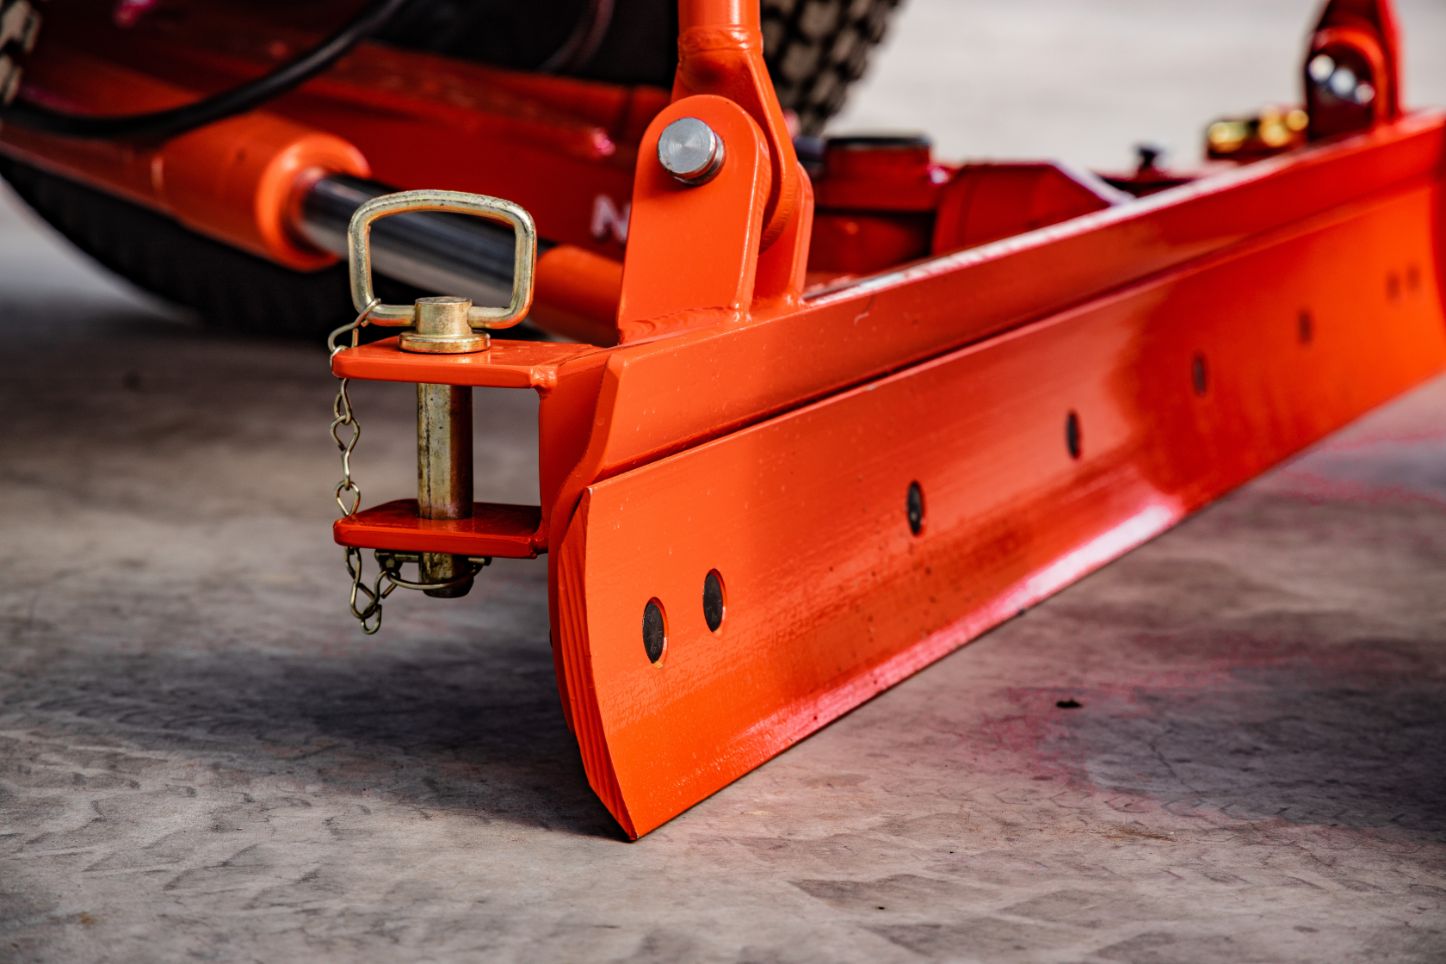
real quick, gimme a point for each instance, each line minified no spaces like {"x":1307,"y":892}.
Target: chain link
{"x":369,"y":615}
{"x":366,"y":600}
{"x":345,"y":429}
{"x":346,"y":432}
{"x":389,"y":579}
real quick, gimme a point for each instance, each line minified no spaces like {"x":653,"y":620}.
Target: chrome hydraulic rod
{"x":466,"y":257}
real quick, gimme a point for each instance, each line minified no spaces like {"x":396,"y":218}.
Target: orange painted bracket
{"x":693,"y":253}
{"x":507,"y":364}
{"x":503,"y":531}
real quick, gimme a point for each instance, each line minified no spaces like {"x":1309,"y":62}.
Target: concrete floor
{"x":200,"y":757}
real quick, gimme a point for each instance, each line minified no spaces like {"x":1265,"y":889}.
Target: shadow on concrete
{"x":476,"y":731}
{"x":472,"y":730}
{"x":1348,"y":735}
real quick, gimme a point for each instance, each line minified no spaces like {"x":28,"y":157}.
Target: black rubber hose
{"x":582,"y":44}
{"x":161,"y":124}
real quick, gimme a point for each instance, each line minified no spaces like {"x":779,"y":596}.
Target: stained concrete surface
{"x":201,"y":758}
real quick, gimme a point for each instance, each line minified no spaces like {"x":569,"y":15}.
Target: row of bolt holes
{"x":655,"y":633}
{"x":1200,"y":372}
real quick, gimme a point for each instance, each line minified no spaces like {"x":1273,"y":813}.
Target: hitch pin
{"x":444,"y":325}
{"x":444,"y":433}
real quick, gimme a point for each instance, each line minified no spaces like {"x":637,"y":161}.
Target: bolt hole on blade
{"x":655,"y":631}
{"x":914,"y":508}
{"x":714,"y":607}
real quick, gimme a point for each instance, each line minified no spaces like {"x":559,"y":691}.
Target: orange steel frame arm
{"x":875,"y":429}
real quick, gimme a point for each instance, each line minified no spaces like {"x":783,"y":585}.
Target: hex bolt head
{"x":1339,"y":80}
{"x":1343,"y":83}
{"x":691,"y":151}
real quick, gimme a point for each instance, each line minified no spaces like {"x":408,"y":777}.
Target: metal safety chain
{"x":366,"y":600}
{"x":346,"y":431}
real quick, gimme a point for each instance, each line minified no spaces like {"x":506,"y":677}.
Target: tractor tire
{"x":815,"y":50}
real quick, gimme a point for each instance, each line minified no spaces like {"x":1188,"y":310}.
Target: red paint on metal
{"x":716,"y":447}
{"x":234,"y":180}
{"x":720,"y":52}
{"x":723,"y":446}
{"x":505,"y":531}
{"x":876,"y":204}
{"x":986,"y":202}
{"x":507,"y":364}
{"x":1363,"y":36}
{"x":693,"y":254}
{"x":831,"y":598}
{"x":420,"y":120}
